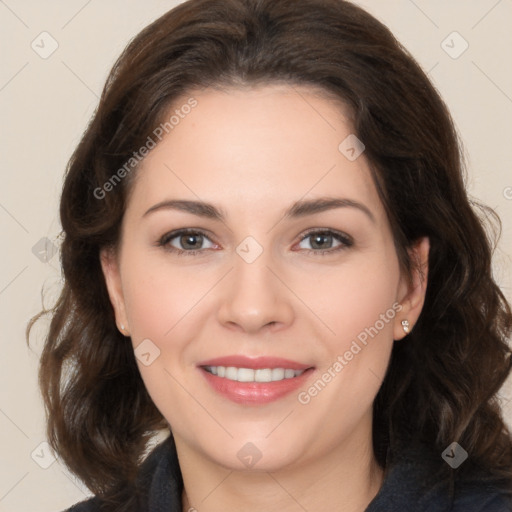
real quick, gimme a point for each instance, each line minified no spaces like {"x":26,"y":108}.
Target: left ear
{"x":412,"y":292}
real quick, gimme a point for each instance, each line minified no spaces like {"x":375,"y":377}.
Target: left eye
{"x":322,"y":241}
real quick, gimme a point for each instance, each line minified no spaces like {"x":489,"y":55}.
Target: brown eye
{"x":185,"y":241}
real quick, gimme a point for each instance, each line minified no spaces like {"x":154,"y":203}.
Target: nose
{"x":254,"y":298}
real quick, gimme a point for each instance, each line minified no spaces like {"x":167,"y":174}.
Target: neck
{"x":346,"y":478}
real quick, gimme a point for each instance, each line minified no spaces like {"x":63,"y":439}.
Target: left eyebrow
{"x":298,"y":209}
{"x":303,"y":208}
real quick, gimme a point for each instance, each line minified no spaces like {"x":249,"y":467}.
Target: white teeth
{"x":250,"y":375}
{"x":245,"y":375}
{"x":277,"y":373}
{"x":288,"y":374}
{"x":231,"y":373}
{"x":263,"y":375}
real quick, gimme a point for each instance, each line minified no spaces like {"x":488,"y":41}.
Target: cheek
{"x":159,"y":296}
{"x":354,"y":298}
{"x":360,"y":308}
{"x":162,"y":303}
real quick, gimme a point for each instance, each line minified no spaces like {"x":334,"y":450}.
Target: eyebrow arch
{"x":303,"y":208}
{"x":298,"y":209}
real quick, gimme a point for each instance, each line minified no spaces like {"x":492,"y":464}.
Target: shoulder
{"x":159,"y":481}
{"x":477,"y":495}
{"x":90,"y":505}
{"x":483,"y":500}
{"x":416,"y":479}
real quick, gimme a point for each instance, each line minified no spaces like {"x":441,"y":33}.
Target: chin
{"x":255,"y":455}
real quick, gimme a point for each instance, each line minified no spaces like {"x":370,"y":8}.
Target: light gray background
{"x":45,"y":104}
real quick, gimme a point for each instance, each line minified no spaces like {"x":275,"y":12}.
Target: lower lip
{"x":255,"y":392}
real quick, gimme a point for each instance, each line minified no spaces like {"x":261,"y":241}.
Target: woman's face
{"x":288,"y":271}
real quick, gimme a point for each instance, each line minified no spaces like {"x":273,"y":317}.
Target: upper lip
{"x":255,"y":363}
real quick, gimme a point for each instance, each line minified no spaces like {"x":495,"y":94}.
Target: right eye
{"x":184,"y":242}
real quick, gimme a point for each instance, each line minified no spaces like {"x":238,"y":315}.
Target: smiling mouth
{"x":253,"y":375}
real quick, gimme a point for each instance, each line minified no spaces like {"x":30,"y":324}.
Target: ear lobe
{"x":111,"y":272}
{"x":414,"y":296}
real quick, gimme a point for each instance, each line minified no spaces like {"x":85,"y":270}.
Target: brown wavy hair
{"x":443,"y":378}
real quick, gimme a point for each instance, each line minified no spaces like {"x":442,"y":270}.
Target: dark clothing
{"x":409,"y":485}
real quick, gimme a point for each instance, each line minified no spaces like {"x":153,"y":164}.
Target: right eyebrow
{"x":199,"y":208}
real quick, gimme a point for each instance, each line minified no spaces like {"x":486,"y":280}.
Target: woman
{"x":269,"y":252}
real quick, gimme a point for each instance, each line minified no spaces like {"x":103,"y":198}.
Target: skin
{"x":252,"y":152}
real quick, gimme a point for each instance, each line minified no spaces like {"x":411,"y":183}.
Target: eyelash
{"x":345,"y":240}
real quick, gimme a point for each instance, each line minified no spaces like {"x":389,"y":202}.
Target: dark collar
{"x":413,"y":481}
{"x":161,"y":478}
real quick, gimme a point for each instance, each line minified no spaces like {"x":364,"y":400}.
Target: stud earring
{"x":405,"y":326}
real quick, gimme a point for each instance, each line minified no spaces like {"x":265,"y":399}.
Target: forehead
{"x":256,"y":147}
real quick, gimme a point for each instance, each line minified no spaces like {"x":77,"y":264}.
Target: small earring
{"x":122,"y":329}
{"x":405,"y":326}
